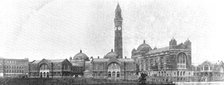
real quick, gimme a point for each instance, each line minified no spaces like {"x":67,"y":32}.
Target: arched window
{"x":109,"y":74}
{"x":47,"y":75}
{"x":44,"y":74}
{"x":114,"y":68}
{"x":182,"y":58}
{"x":118,"y":74}
{"x":206,"y":67}
{"x":44,"y":67}
{"x":113,"y":73}
{"x":181,"y":61}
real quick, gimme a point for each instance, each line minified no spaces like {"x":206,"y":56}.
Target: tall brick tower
{"x":118,"y":32}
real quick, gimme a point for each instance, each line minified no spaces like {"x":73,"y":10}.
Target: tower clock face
{"x":119,"y":28}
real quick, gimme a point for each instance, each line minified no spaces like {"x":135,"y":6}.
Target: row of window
{"x":11,"y":75}
{"x":14,"y":67}
{"x":113,"y":74}
{"x":157,"y":54}
{"x":15,"y":61}
{"x":181,"y":66}
{"x":39,"y":73}
{"x":78,"y":69}
{"x":98,"y":66}
{"x":14,"y":71}
{"x":45,"y":67}
{"x":178,"y":73}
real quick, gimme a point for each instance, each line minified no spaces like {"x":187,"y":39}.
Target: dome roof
{"x":81,"y":56}
{"x":111,"y":55}
{"x":144,"y":47}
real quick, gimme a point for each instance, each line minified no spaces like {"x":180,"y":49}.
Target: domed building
{"x":144,"y":47}
{"x":166,"y":62}
{"x":79,"y":63}
{"x":141,"y":50}
{"x":81,"y":56}
{"x":111,"y":55}
{"x":139,"y":55}
{"x":173,"y":59}
{"x":113,"y":65}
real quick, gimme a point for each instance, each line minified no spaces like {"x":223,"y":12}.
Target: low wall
{"x":64,"y":81}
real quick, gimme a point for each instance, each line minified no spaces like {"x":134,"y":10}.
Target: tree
{"x":142,"y":79}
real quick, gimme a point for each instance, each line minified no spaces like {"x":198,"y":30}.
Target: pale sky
{"x":54,"y":29}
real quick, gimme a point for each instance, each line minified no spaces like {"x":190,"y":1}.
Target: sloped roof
{"x":49,"y":60}
{"x":158,"y":50}
{"x":126,"y":60}
{"x":218,"y":67}
{"x":56,"y":60}
{"x":100,"y":59}
{"x":35,"y":61}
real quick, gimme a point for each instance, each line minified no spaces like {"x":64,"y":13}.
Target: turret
{"x":133,"y":51}
{"x":118,"y":18}
{"x":187,"y":44}
{"x":172,"y":43}
{"x":70,"y":58}
{"x":154,"y":48}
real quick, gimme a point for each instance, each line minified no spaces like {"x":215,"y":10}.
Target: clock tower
{"x":118,"y":32}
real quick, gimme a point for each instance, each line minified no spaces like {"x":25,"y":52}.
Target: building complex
{"x":171,"y":63}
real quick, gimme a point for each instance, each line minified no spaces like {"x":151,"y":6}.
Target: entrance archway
{"x":114,"y":71}
{"x":181,"y":61}
{"x":44,"y":71}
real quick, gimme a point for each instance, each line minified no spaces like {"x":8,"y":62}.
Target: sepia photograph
{"x":111,"y":42}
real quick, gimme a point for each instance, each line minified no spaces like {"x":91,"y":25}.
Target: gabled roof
{"x":56,"y":60}
{"x":35,"y":61}
{"x":49,"y":60}
{"x":158,"y":50}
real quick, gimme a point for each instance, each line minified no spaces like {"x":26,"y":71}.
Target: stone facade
{"x":47,"y":68}
{"x":118,"y":32}
{"x":208,"y":71}
{"x":13,"y":67}
{"x":111,"y":67}
{"x":79,"y":63}
{"x":172,"y":63}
